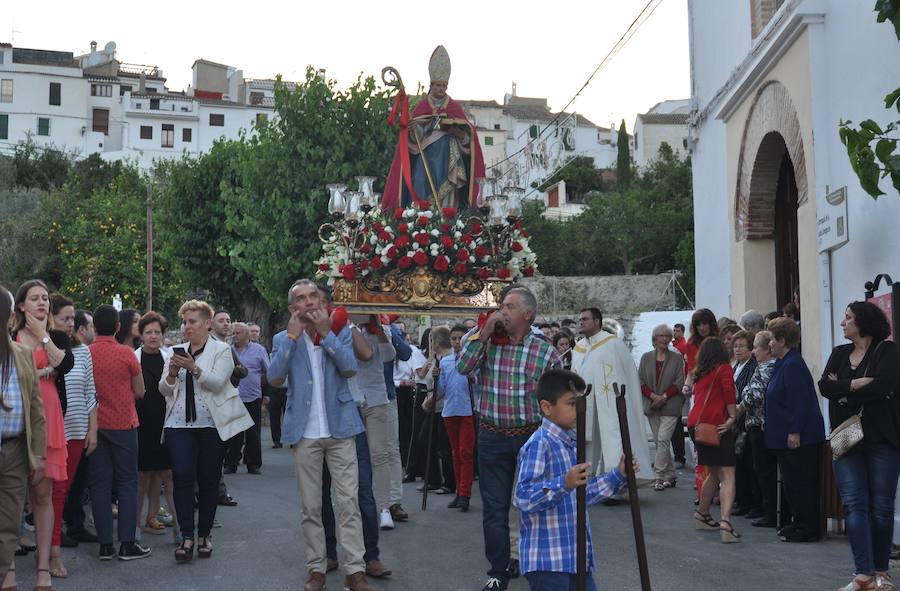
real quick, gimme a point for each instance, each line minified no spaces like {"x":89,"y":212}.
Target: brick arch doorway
{"x":779,"y":202}
{"x":771,"y":186}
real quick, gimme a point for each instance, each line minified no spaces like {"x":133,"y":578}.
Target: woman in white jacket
{"x":203,"y":409}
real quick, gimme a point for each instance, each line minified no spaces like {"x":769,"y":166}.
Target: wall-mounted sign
{"x":831,"y":221}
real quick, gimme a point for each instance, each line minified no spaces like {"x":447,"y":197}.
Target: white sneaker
{"x":387,"y":522}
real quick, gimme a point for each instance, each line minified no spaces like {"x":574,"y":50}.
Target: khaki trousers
{"x":340,"y":454}
{"x":663,"y":427}
{"x":382,"y":431}
{"x":14,"y":473}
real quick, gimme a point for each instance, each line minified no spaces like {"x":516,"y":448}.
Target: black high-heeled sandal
{"x":184,"y":553}
{"x":204,"y":548}
{"x":729,"y":536}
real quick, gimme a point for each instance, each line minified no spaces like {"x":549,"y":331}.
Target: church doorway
{"x":787,"y":259}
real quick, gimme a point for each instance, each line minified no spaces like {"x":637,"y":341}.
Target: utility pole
{"x":149,"y":245}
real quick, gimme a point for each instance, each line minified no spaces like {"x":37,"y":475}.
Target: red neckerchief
{"x":339,"y":320}
{"x":497,"y":338}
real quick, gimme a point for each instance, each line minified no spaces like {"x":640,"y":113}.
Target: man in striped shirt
{"x":509,"y":360}
{"x":545,"y":493}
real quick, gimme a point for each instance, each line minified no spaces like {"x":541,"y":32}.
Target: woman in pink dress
{"x":53,"y":358}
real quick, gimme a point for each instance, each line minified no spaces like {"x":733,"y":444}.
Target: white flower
{"x":471,"y":259}
{"x":457,"y":235}
{"x":429,"y":214}
{"x":415,"y":246}
{"x":410,"y":253}
{"x":373,"y":239}
{"x":385,"y":260}
{"x":435,"y":232}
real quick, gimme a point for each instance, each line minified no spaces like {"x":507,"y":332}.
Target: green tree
{"x":321,"y":135}
{"x":872,"y":149}
{"x":24,"y":251}
{"x":624,"y":169}
{"x":43,"y":167}
{"x":580,"y":175}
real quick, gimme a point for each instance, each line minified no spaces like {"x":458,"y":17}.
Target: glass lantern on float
{"x":337,"y":204}
{"x":514,"y":203}
{"x":368,"y":198}
{"x":497,"y":211}
{"x":353,"y":214}
{"x":487,"y":188}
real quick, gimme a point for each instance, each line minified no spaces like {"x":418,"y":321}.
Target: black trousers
{"x":678,"y":442}
{"x":249,"y":442}
{"x":277,"y":400}
{"x":747,"y":492}
{"x":800,"y":478}
{"x":406,"y":400}
{"x":765,"y":466}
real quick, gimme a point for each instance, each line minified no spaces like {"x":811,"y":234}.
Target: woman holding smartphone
{"x":203,"y":409}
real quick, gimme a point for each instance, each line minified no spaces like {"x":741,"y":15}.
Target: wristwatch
{"x":45,"y":340}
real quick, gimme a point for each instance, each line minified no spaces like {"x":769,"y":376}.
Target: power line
{"x":639,"y":20}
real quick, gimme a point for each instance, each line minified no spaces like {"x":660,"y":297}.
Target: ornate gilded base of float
{"x":418,"y":291}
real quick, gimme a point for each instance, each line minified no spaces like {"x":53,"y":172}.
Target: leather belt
{"x":510,"y":431}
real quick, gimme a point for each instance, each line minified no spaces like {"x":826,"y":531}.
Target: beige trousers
{"x":663,"y":427}
{"x":384,"y":447}
{"x":340,"y":454}
{"x":14,"y":473}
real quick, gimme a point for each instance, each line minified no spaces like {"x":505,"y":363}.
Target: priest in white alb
{"x":602,"y":360}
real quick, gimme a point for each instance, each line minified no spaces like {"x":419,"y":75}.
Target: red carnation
{"x":517,"y":246}
{"x":449,"y":212}
{"x":376,"y":263}
{"x":503,"y":273}
{"x":447,"y":241}
{"x":423,"y":205}
{"x":398,"y":213}
{"x":524,"y":234}
{"x":422,"y":221}
{"x":392,"y":252}
{"x":324,"y":266}
{"x":462,"y":254}
{"x":480,"y":251}
{"x":528,"y":271}
{"x":467,"y":238}
{"x":477,"y":229}
{"x":441,"y":264}
{"x":483,"y":273}
{"x":444,"y":228}
{"x":401,"y":241}
{"x":518,"y":225}
{"x":420,"y":258}
{"x":377,"y":227}
{"x":384,"y":236}
{"x":349,"y":272}
{"x":405,"y":262}
{"x":365,"y":248}
{"x":363,"y":264}
{"x":403,"y":228}
{"x":423,"y":238}
{"x":460,"y":268}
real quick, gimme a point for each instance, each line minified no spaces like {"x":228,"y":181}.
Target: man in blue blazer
{"x":321,"y":421}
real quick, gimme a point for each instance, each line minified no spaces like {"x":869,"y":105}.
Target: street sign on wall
{"x":831,"y":221}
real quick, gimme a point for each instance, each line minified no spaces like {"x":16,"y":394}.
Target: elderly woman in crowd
{"x":861,"y":377}
{"x":715,"y":404}
{"x":24,"y":438}
{"x":662,"y":376}
{"x":794,"y":429}
{"x":748,"y":499}
{"x":203,"y":409}
{"x":752,"y":410}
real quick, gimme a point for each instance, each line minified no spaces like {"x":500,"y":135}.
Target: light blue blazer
{"x":290,"y":360}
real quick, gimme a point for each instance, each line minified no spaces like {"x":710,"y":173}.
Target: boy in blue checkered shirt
{"x":545,"y":492}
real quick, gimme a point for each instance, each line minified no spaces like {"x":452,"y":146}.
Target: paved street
{"x":260,"y":547}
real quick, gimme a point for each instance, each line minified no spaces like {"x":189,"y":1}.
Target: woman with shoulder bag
{"x":203,"y":410}
{"x":710,"y":421}
{"x":860,"y":379}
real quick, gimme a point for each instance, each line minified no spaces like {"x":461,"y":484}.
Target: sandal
{"x":184,"y":553}
{"x":58,"y":573}
{"x":883,"y":581}
{"x":443,"y":491}
{"x":153,"y":526}
{"x":729,"y":536}
{"x":204,"y":549}
{"x":670,"y":483}
{"x":858,"y":584}
{"x":704,"y":521}
{"x":43,"y":587}
{"x":659,"y":485}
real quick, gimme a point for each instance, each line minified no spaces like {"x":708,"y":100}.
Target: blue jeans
{"x":197,"y":455}
{"x":867,"y":480}
{"x":497,"y":460}
{"x":113,"y":467}
{"x":368,"y":511}
{"x":551,"y":581}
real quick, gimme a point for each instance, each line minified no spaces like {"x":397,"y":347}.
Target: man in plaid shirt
{"x":545,"y":492}
{"x":509,"y":362}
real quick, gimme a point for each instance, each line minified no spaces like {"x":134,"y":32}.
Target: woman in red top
{"x":715,"y":402}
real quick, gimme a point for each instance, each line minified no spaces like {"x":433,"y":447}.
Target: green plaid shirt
{"x":507,"y":377}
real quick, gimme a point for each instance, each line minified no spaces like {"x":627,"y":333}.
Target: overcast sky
{"x":547,"y":48}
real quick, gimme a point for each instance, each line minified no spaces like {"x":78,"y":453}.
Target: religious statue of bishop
{"x":444,"y":155}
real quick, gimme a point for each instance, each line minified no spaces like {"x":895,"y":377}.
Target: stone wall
{"x":615,"y":295}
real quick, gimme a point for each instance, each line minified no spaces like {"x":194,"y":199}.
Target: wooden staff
{"x":581,"y":491}
{"x":636,"y":522}
{"x":431,"y":421}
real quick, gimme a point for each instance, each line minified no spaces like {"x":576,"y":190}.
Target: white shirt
{"x":317,"y":423}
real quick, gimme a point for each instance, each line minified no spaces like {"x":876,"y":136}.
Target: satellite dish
{"x":110,"y":47}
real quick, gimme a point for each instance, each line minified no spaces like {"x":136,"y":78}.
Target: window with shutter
{"x":55,"y":94}
{"x":146,"y":132}
{"x":43,"y":126}
{"x":186,"y":135}
{"x":168,"y":135}
{"x":6,"y":90}
{"x":100,"y":121}
{"x":4,"y":127}
{"x":216,"y":120}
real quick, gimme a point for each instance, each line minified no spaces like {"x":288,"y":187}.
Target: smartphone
{"x":179,"y":351}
